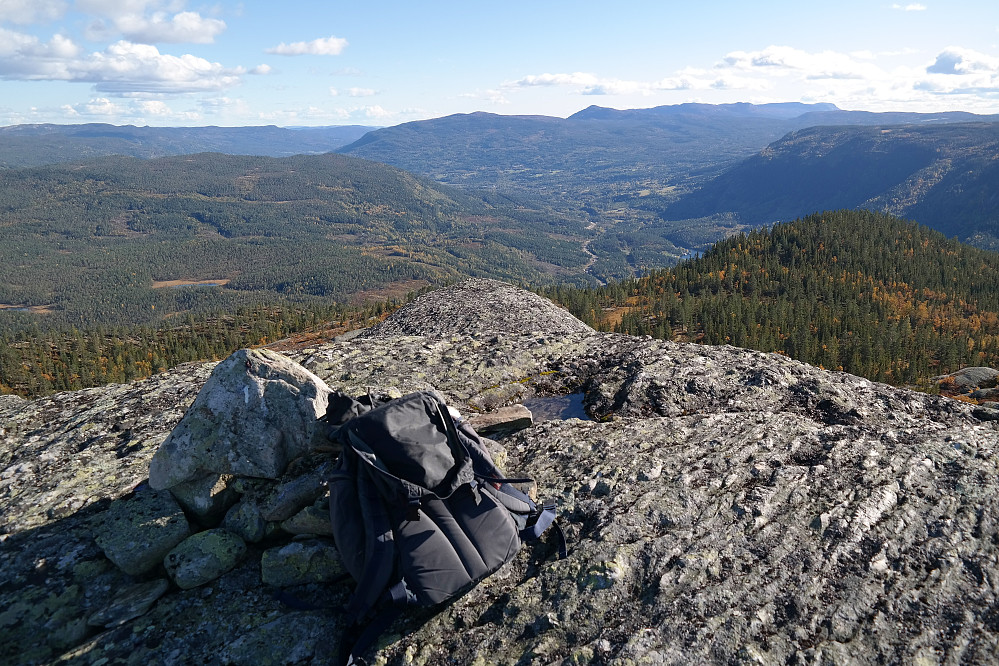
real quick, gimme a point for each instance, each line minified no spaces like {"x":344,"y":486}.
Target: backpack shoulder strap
{"x":358,"y":637}
{"x":379,"y":556}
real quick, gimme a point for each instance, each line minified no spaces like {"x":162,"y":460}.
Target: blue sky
{"x":181,"y":62}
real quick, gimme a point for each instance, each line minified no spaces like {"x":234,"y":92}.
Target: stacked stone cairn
{"x":246,"y":465}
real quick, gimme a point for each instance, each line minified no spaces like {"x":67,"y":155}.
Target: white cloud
{"x":138,"y":112}
{"x":323,"y":46}
{"x":376,"y":113}
{"x":586,"y":84}
{"x":861,"y":79}
{"x":575,"y":79}
{"x":786,"y":60}
{"x":261,"y":70}
{"x":124,"y":7}
{"x":309,"y":115}
{"x":125,"y":66}
{"x":361,"y":92}
{"x":26,"y":57}
{"x":492,"y":96}
{"x":617,"y":87}
{"x":955,"y":60}
{"x":100,"y":106}
{"x":148,"y":22}
{"x":731,"y":82}
{"x":225,"y":106}
{"x":353,"y":92}
{"x":960,"y":71}
{"x":122,"y":68}
{"x":31,"y":11}
{"x":590,"y":84}
{"x":915,"y":7}
{"x":185,"y":27}
{"x":155,"y":108}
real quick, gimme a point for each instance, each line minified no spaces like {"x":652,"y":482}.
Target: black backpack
{"x":420,"y":512}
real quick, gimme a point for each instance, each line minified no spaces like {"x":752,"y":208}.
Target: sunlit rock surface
{"x":722,"y":506}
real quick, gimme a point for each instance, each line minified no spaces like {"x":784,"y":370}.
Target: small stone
{"x":207,"y":498}
{"x":310,"y":520}
{"x":651,"y":473}
{"x":203,"y":557}
{"x":504,"y":419}
{"x":602,"y":488}
{"x":129,"y":604}
{"x":245,"y":521}
{"x":138,"y":531}
{"x":291,"y":497}
{"x":299,"y":563}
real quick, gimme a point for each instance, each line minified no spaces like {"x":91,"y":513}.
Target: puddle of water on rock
{"x":559,"y":407}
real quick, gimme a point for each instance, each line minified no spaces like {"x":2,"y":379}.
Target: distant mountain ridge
{"x":651,"y":184}
{"x":673,"y":145}
{"x":595,"y":147}
{"x":744,"y":109}
{"x":943,"y":175}
{"x":36,"y":145}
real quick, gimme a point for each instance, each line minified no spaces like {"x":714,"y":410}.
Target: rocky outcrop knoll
{"x":722,"y":506}
{"x":479,"y":306}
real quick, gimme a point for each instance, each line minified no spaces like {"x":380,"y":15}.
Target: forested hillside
{"x":58,"y":358}
{"x":116,"y":241}
{"x":945,"y":176}
{"x":850,"y":290}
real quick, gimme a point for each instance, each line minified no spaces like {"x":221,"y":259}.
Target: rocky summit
{"x":721,"y":506}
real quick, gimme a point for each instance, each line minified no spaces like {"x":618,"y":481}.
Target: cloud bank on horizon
{"x":166,"y":62}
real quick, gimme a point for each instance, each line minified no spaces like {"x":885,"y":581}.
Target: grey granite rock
{"x":245,"y":521}
{"x":207,"y":498}
{"x":310,"y":520}
{"x":724,"y":506}
{"x":293,"y":495}
{"x":69,"y":451}
{"x":475,"y":306}
{"x":130,"y":603}
{"x":255,"y":413}
{"x":300,"y":563}
{"x":203,"y":557}
{"x":502,"y":420}
{"x":971,"y":377}
{"x":985,"y":395}
{"x":137,"y":531}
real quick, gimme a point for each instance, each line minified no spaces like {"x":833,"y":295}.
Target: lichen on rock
{"x":138,"y":531}
{"x":203,"y":557}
